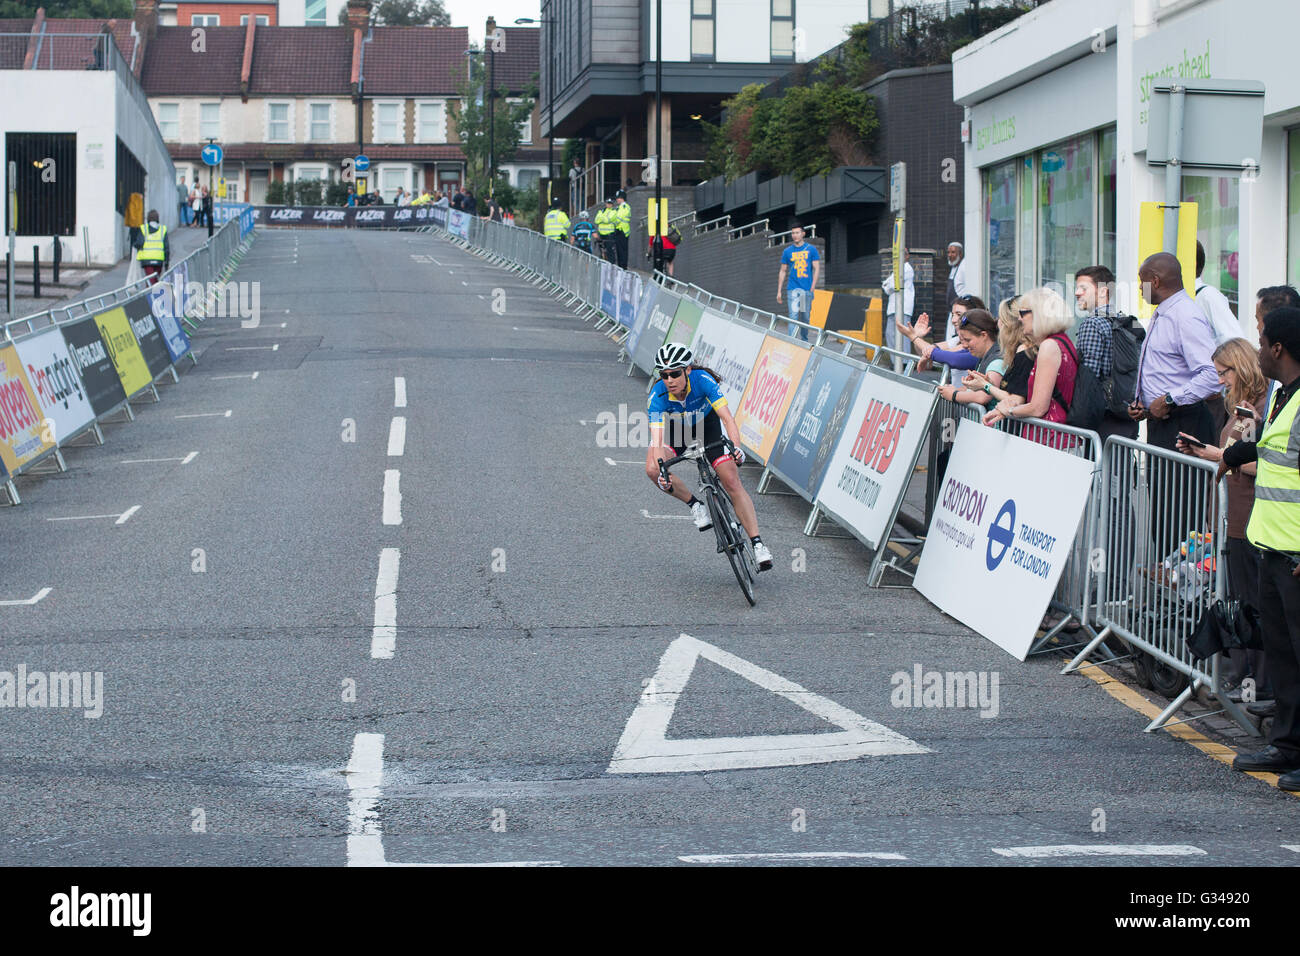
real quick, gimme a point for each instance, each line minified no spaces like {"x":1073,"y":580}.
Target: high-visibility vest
{"x":152,"y":250}
{"x":623,"y":218}
{"x":1275,"y":517}
{"x":556,"y":224}
{"x":605,"y":222}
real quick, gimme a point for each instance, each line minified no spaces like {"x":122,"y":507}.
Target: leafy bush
{"x":276,"y":194}
{"x":308,"y":192}
{"x":336,"y":194}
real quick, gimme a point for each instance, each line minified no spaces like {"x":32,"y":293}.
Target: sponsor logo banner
{"x":730,"y":349}
{"x":124,"y":350}
{"x":458,"y":223}
{"x":139,"y":312}
{"x":626,"y":303}
{"x":94,"y":364}
{"x":53,"y":377}
{"x":22,"y":432}
{"x":1001,"y":536}
{"x":644,"y":304}
{"x":656,"y":327}
{"x":872,"y":462}
{"x":609,"y":288}
{"x":769,"y":393}
{"x":814,"y":422}
{"x":685,"y":321}
{"x":353,"y":216}
{"x":167,"y":302}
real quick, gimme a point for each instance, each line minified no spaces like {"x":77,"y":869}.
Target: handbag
{"x":1226,"y":626}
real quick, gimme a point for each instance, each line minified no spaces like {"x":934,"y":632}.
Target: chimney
{"x":146,"y":19}
{"x":359,"y":14}
{"x":488,"y":30}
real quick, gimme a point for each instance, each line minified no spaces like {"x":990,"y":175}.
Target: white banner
{"x":730,"y":349}
{"x":55,"y":382}
{"x":872,"y":461}
{"x":458,"y":223}
{"x":1002,"y":530}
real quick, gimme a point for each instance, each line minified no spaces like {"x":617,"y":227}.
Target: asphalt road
{"x":247,"y":720}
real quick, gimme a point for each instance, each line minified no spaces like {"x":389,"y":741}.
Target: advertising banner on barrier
{"x":730,"y":349}
{"x":685,"y":321}
{"x":123,"y":349}
{"x":1002,"y":533}
{"x":769,"y":393}
{"x":90,"y":355}
{"x":23,"y":435}
{"x":626,"y":304}
{"x":609,"y":288}
{"x":813,"y":424}
{"x":347,"y":216}
{"x":437,"y":215}
{"x":139,"y":311}
{"x":644,"y":305}
{"x":179,"y":278}
{"x":55,"y":382}
{"x":656,"y":327}
{"x":167,"y":301}
{"x":872,"y":462}
{"x":458,"y":223}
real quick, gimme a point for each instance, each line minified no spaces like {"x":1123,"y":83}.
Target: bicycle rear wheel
{"x":736,"y":542}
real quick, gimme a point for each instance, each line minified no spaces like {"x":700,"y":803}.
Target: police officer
{"x":582,"y":231}
{"x":155,"y":253}
{"x":1274,"y":529}
{"x":556,"y":223}
{"x":605,"y":229}
{"x":622,"y":227}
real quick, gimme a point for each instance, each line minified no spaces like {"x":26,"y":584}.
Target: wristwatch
{"x":1169,"y":400}
{"x":988,"y":388}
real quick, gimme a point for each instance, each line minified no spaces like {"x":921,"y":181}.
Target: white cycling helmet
{"x":673,"y":355}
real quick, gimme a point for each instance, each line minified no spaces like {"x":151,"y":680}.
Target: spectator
{"x":951,"y":354}
{"x":1274,"y":528}
{"x":575,"y":174}
{"x":1016,"y":354}
{"x":1238,"y":366}
{"x":183,"y":203}
{"x":458,"y":199}
{"x":442,"y":202}
{"x":468,"y":203}
{"x":1214,"y":305}
{"x":207,"y":207}
{"x":196,"y":205}
{"x":978,"y":331}
{"x":891,"y":306}
{"x":801,"y":262}
{"x":1056,"y":365}
{"x":670,"y":247}
{"x":401,"y":197}
{"x":352,"y":196}
{"x":1093,"y":287}
{"x":957,"y":284}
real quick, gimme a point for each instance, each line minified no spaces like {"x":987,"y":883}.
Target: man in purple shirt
{"x":1176,"y":375}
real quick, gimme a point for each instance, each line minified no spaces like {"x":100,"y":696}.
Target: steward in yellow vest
{"x":155,"y":252}
{"x":556,"y":223}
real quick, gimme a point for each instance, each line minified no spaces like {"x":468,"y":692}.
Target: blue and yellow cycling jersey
{"x":703,"y":395}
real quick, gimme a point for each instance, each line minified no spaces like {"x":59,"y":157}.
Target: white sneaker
{"x":701,"y":515}
{"x":763,"y":556}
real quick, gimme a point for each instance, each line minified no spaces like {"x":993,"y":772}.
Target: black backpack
{"x":1125,"y":353}
{"x":1089,"y":405}
{"x":674,"y":235}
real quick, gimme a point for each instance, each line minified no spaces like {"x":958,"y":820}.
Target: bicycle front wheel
{"x":736,"y":542}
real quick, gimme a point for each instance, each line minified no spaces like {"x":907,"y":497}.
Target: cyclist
{"x":583,"y":230}
{"x":687,"y":404}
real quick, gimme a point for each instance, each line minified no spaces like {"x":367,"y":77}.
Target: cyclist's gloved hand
{"x":738,"y":454}
{"x":665,"y":482}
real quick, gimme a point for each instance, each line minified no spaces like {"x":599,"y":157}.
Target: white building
{"x":1057,"y":103}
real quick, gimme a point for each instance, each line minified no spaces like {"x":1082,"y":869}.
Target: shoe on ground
{"x":763,"y":556}
{"x":1290,"y":781}
{"x":1262,"y":708}
{"x":703,"y":520}
{"x":1270,"y":759}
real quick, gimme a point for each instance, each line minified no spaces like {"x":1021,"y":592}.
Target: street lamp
{"x":492,"y":116}
{"x":550,"y":88}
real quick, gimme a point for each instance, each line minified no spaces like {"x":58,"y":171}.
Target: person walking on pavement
{"x":556,"y":223}
{"x":622,"y":227}
{"x":183,"y":203}
{"x":801,"y":262}
{"x":155,"y":252}
{"x":1274,"y":528}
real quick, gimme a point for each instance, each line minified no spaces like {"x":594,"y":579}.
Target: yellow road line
{"x":1132,"y":699}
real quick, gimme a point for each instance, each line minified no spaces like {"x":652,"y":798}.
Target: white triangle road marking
{"x":644,"y":747}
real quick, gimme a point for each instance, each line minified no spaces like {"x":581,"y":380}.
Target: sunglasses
{"x":672,"y":373}
{"x":1025,"y":312}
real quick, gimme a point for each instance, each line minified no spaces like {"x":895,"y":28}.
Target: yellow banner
{"x":1151,"y":239}
{"x":650,"y":217}
{"x":768,"y":393}
{"x":896,"y":254}
{"x":23,"y":435}
{"x":124,"y":350}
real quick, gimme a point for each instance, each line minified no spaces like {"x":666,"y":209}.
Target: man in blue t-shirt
{"x":802,"y":262}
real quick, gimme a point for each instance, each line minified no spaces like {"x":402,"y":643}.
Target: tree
{"x":62,"y":9}
{"x":406,"y":13}
{"x":472,"y":123}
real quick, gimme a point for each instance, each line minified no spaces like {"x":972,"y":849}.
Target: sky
{"x":474,"y":13}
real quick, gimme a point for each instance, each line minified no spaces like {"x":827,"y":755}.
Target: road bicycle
{"x":733,"y":540}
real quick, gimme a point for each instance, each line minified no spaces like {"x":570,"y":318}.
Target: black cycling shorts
{"x":677,"y":436}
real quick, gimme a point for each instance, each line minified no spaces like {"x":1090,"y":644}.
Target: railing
{"x":748,"y":229}
{"x":594,"y":184}
{"x":720,"y":223}
{"x":809,"y":231}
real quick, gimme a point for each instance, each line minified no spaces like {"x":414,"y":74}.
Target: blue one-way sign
{"x":212,"y":154}
{"x":361,"y":164}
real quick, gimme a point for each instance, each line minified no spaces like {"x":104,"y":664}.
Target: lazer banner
{"x":355,"y":216}
{"x":1000,"y":536}
{"x":23,"y":435}
{"x":53,"y":377}
{"x":656,"y":327}
{"x":872,"y":462}
{"x":814,"y":422}
{"x":123,"y":349}
{"x":730,"y":348}
{"x":167,"y":301}
{"x":139,"y":312}
{"x":684,"y":322}
{"x":90,"y":355}
{"x":769,"y":393}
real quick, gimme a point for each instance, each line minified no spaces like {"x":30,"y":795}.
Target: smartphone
{"x":1191,"y":440}
{"x":1245,"y":411}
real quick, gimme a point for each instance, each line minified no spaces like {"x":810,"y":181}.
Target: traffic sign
{"x":212,"y":154}
{"x":897,"y":187}
{"x":361,"y":164}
